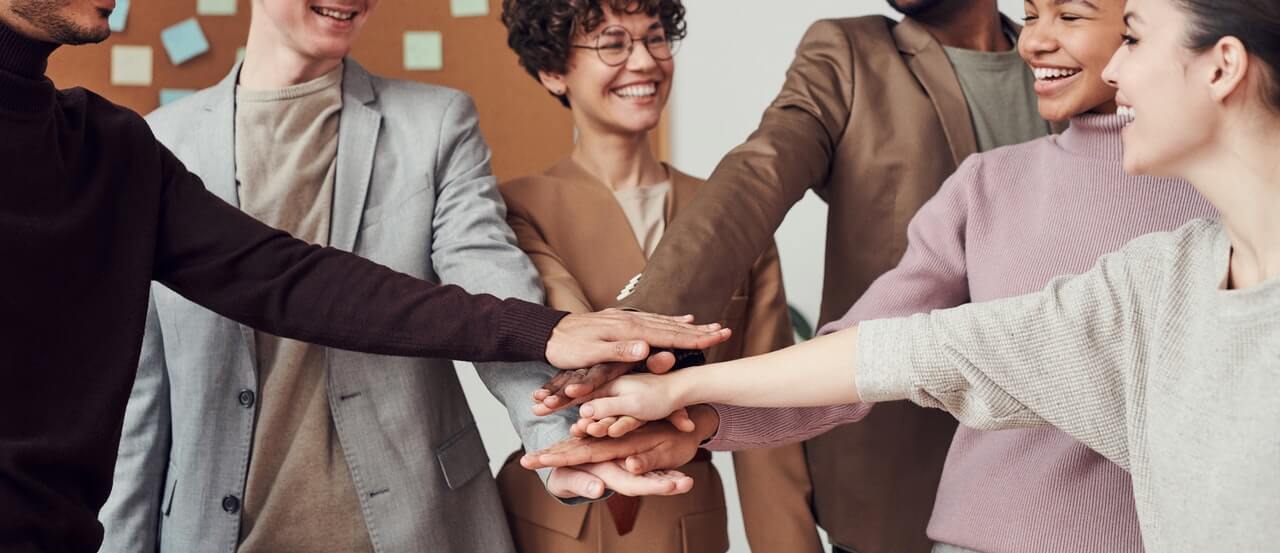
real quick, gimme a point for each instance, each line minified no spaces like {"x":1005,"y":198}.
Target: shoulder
{"x":400,"y":94}
{"x":97,"y":111}
{"x":856,"y":29}
{"x":529,"y":193}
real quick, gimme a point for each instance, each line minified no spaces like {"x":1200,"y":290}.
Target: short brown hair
{"x":541,"y":31}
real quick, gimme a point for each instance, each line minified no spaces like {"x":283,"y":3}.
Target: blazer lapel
{"x":604,"y":216}
{"x":218,"y":164}
{"x":357,"y":143}
{"x":218,"y":159}
{"x":682,"y":192}
{"x":933,"y":69}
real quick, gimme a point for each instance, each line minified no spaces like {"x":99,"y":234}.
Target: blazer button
{"x":231,"y":504}
{"x":246,"y":398}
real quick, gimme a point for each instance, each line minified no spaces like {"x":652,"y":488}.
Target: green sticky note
{"x":216,"y":7}
{"x":469,"y":8}
{"x":423,"y":51}
{"x":131,"y":65}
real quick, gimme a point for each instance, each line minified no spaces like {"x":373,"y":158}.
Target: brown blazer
{"x":873,"y":119}
{"x":578,"y":237}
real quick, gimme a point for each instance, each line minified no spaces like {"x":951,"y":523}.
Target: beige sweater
{"x":1146,"y":359}
{"x":299,"y":495}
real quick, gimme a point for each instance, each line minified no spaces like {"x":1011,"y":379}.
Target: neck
{"x":619,"y":161}
{"x":975,"y":25}
{"x":270,"y":64}
{"x":1243,"y":183}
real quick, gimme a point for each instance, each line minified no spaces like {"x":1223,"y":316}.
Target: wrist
{"x":684,"y":391}
{"x":706,"y":421}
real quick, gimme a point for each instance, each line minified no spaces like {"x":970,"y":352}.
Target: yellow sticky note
{"x":423,"y":51}
{"x":131,"y":65}
{"x":469,"y":8}
{"x":216,"y":7}
{"x":240,"y":53}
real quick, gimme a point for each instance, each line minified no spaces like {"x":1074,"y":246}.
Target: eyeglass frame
{"x":631,"y":45}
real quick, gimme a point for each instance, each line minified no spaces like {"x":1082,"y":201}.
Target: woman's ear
{"x":554,"y":83}
{"x":1230,"y":68}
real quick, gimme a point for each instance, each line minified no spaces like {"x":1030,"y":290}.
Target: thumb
{"x":567,"y":483}
{"x":605,"y":407}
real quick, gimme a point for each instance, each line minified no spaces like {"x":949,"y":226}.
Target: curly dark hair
{"x":541,"y":31}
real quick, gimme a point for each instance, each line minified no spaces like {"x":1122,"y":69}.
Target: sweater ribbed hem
{"x":525,"y":329}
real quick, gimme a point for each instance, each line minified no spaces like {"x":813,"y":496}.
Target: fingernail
{"x":587,"y":410}
{"x":637,"y":350}
{"x":596,"y":489}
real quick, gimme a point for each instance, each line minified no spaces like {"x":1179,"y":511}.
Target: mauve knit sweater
{"x":1006,"y":223}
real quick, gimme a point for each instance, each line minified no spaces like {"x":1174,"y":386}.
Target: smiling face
{"x":60,"y":21}
{"x":1164,"y":91}
{"x":624,"y":99}
{"x":1067,"y":43}
{"x":316,"y":29}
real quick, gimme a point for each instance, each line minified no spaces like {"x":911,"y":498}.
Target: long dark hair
{"x":1255,"y":22}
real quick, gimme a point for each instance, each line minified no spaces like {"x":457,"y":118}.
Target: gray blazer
{"x":414,"y":192}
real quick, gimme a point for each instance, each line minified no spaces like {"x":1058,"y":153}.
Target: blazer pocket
{"x":170,"y":488}
{"x":462,"y":457}
{"x":705,"y":532}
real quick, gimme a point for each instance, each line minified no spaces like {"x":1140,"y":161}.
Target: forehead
{"x":637,"y":23}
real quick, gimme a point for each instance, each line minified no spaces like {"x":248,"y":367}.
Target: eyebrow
{"x":1085,"y":2}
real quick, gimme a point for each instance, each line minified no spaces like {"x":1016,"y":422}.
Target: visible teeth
{"x":637,"y":91}
{"x":1127,"y":114}
{"x":1044,"y":73}
{"x":341,"y":16}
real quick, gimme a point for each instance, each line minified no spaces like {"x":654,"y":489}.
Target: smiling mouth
{"x":334,"y":14}
{"x":1051,"y":74}
{"x":644,"y":90}
{"x":1127,"y":114}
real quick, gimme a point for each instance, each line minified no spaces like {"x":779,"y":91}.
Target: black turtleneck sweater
{"x":92,"y":209}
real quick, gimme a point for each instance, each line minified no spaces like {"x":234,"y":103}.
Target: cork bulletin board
{"x":526,"y":128}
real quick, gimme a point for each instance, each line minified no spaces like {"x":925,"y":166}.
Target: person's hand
{"x":655,"y":446}
{"x":567,"y":386}
{"x":617,"y":427}
{"x":614,"y":335}
{"x":590,"y":480}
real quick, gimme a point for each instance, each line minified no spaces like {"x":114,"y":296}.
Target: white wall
{"x":728,"y":70}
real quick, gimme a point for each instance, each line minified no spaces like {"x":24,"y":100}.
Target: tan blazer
{"x":578,"y":237}
{"x":873,"y":119}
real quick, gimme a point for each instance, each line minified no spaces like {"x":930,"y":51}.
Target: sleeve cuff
{"x":525,"y":330}
{"x":885,"y":367}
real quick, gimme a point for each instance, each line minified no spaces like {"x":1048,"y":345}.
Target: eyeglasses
{"x":615,"y":45}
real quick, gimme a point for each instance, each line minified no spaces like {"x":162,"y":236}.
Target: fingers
{"x":668,"y":482}
{"x":661,"y":362}
{"x":681,"y":421}
{"x":553,"y":386}
{"x":579,"y":451}
{"x":623,"y":426}
{"x":587,"y":381}
{"x":567,"y":483}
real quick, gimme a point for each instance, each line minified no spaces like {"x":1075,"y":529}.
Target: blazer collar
{"x":357,"y":143}
{"x":929,"y":62}
{"x":615,"y":229}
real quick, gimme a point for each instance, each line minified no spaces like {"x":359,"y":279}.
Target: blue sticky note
{"x":119,"y":16}
{"x":469,"y":8}
{"x":170,"y":95}
{"x":423,"y":50}
{"x":184,"y":41}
